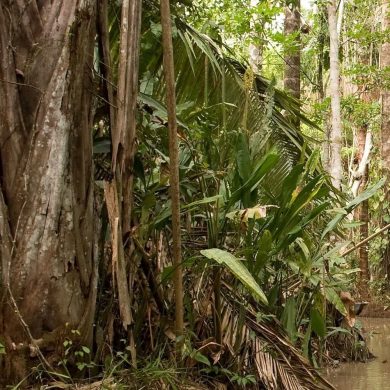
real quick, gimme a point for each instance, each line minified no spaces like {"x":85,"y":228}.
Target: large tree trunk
{"x":335,"y":165}
{"x":385,"y":130}
{"x":49,"y":269}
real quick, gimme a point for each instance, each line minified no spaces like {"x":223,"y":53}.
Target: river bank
{"x":374,"y":374}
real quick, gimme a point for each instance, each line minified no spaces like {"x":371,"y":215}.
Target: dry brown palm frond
{"x":262,"y":349}
{"x":252,"y":346}
{"x":283,"y":363}
{"x":265,"y":367}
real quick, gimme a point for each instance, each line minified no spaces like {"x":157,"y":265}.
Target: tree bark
{"x":385,"y":128}
{"x":335,"y":164}
{"x":124,"y":130}
{"x":255,"y":50}
{"x":292,"y":67}
{"x":47,"y":189}
{"x":364,"y":147}
{"x":119,"y":193}
{"x":321,"y":85}
{"x":364,"y":274}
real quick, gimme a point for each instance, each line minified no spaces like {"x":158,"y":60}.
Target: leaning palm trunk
{"x":48,"y":258}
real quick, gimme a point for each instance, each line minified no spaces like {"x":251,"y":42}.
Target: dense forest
{"x":194,"y":194}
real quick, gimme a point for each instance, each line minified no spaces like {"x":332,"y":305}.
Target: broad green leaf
{"x":366,"y":194}
{"x":305,"y":250}
{"x":317,"y":322}
{"x":262,"y":169}
{"x":238,"y":270}
{"x":259,"y":172}
{"x":289,"y":318}
{"x":306,"y":195}
{"x":313,"y":161}
{"x":308,"y":218}
{"x":306,"y":342}
{"x":189,"y":49}
{"x":332,"y":296}
{"x":263,"y":253}
{"x":243,"y":158}
{"x":348,"y":271}
{"x":290,"y":183}
{"x":274,"y":294}
{"x":265,"y":242}
{"x":199,"y":357}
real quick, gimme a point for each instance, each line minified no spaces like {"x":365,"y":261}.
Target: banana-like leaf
{"x":258,"y":174}
{"x":332,"y":296}
{"x":243,"y":158}
{"x":238,"y":269}
{"x":317,"y":322}
{"x":289,"y":318}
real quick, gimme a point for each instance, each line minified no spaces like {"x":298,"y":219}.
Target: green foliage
{"x":289,"y":317}
{"x":317,"y":322}
{"x":253,"y":190}
{"x":238,"y":270}
{"x":234,"y":378}
{"x":332,"y":296}
{"x":75,"y":355}
{"x":243,"y":381}
{"x":369,"y":192}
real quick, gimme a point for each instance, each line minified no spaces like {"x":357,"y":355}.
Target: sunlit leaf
{"x":238,"y":270}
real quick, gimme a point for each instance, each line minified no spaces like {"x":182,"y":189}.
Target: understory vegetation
{"x":242,"y":284}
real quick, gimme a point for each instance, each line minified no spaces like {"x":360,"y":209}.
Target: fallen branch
{"x":365,"y":240}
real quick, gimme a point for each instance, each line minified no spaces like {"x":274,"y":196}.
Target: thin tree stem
{"x":168,"y":65}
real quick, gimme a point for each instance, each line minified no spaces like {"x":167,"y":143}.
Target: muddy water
{"x":374,"y":375}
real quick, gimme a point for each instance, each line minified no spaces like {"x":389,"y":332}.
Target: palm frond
{"x":279,"y":365}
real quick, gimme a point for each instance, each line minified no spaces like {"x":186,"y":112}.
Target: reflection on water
{"x":374,"y":375}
